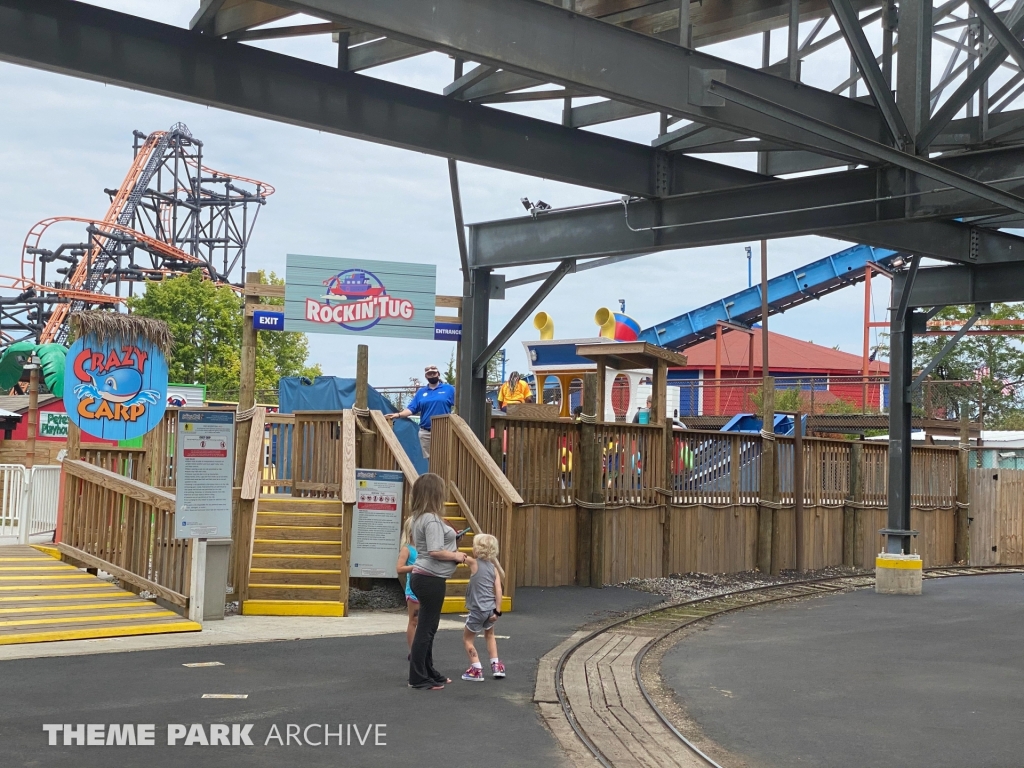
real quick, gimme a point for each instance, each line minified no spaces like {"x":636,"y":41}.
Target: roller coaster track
{"x":42,"y":307}
{"x":600,"y":687}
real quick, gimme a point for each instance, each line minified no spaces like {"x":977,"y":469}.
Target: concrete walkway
{"x":359,"y":680}
{"x":860,"y":679}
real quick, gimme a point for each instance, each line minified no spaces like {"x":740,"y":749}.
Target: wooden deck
{"x":44,"y":599}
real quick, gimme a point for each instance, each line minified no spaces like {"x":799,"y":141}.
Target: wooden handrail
{"x":464,"y":506}
{"x":484,"y":461}
{"x":147,"y":494}
{"x":252,"y":474}
{"x":348,"y":463}
{"x":385,"y":430}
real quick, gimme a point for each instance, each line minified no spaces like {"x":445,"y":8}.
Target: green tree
{"x":206,"y":322}
{"x":993,"y":364}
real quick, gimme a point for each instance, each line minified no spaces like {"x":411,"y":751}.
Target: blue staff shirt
{"x":429,"y":403}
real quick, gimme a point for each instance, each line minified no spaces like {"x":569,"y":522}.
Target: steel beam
{"x":880,"y":151}
{"x":850,"y":205}
{"x":555,"y":45}
{"x":962,"y":284}
{"x":472,"y":394}
{"x":849,"y":24}
{"x":85,"y":41}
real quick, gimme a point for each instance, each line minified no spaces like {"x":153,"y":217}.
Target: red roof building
{"x":829,"y":374}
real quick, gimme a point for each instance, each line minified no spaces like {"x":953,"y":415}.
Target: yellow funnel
{"x":605,"y":318}
{"x":544,"y":323}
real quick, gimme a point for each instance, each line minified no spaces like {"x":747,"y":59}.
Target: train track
{"x":600,"y":689}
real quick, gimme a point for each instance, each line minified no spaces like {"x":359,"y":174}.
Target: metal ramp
{"x":44,"y":599}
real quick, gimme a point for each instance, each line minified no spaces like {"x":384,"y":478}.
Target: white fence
{"x":28,"y":501}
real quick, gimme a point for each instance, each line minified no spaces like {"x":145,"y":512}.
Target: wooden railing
{"x":933,"y":477}
{"x":539,"y":458}
{"x":388,"y":453}
{"x":279,"y":433}
{"x":317,"y":454}
{"x":475,"y":482}
{"x":634,"y":463}
{"x":826,"y":471}
{"x":126,"y":462}
{"x":126,"y":528}
{"x":715,"y":468}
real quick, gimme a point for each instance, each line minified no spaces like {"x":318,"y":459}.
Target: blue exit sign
{"x":268,"y":321}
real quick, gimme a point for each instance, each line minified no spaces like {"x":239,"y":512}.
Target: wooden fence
{"x":125,"y":528}
{"x":997,"y":516}
{"x":485,"y":496}
{"x":676,"y":501}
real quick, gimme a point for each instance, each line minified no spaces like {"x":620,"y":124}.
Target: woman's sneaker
{"x":474,"y":675}
{"x":497,"y":669}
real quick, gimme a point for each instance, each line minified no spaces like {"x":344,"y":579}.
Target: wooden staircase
{"x":455,"y":594}
{"x":297,"y":556}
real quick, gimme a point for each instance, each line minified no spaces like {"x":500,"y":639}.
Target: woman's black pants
{"x":430,"y":590}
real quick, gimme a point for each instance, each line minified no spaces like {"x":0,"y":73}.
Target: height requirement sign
{"x":359,"y":297}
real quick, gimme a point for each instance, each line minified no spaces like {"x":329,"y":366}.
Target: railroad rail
{"x":600,"y":689}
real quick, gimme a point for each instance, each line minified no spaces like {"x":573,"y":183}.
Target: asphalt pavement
{"x":859,"y":679}
{"x":357,"y":682}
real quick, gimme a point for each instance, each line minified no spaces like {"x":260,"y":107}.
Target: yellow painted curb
{"x":97,"y":632}
{"x":458,"y":604}
{"x":904,"y":565}
{"x":51,"y":551}
{"x":292,"y":608}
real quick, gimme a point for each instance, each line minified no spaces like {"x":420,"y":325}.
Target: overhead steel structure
{"x":933,"y":166}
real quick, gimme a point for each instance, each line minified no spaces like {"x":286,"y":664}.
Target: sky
{"x":63,"y":140}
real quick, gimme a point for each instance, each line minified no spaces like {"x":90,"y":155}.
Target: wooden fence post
{"x":348,"y":500}
{"x":766,"y":513}
{"x":855,"y":495}
{"x":367,"y":436}
{"x":798,"y":493}
{"x":961,"y":527}
{"x":589,"y":455}
{"x":669,"y":485}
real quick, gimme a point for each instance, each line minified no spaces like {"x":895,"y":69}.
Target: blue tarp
{"x":329,"y":393}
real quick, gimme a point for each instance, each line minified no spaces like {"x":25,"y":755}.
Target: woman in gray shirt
{"x":435,"y":541}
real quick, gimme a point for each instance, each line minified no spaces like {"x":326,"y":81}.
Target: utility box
{"x":216,"y":582}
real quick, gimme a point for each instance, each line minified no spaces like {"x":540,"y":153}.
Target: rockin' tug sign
{"x":359,"y":297}
{"x":115,"y":389}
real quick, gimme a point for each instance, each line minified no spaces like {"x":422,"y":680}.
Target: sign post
{"x":205,"y":468}
{"x":376,"y":524}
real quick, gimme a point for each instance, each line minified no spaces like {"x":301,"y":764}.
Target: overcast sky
{"x":62,"y":140}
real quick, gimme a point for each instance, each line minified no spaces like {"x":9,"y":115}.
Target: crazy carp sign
{"x":115,"y":389}
{"x":359,"y":297}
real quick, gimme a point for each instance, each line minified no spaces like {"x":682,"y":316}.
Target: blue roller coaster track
{"x":809,"y":282}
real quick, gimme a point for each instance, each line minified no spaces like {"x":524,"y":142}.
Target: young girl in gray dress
{"x":483,"y":601}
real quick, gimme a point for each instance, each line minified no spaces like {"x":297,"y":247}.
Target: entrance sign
{"x":115,"y":389}
{"x":358,"y":297}
{"x":447,"y":331}
{"x":376,"y":523}
{"x":205,"y":467}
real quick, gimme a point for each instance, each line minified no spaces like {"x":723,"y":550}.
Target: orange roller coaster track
{"x":172,"y":214}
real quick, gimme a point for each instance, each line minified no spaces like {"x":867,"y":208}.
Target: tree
{"x":993,"y":364}
{"x":206,"y":322}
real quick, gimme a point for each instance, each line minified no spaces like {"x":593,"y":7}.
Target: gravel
{"x":386,"y":595}
{"x":694,"y":586}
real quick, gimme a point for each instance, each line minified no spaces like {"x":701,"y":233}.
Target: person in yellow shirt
{"x":515,"y":390}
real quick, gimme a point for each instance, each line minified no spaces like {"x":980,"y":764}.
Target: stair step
{"x":296,"y":577}
{"x":303,"y":506}
{"x":264,"y":591}
{"x":457,"y":587}
{"x":293,"y":608}
{"x":299,"y":532}
{"x":297,"y":519}
{"x":457,"y":604}
{"x":275,"y":546}
{"x":297,"y":560}
{"x":456,"y":522}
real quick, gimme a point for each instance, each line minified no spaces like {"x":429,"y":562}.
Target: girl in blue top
{"x":406,"y":559}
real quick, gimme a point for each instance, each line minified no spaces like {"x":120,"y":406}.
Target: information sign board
{"x":376,"y":523}
{"x":204,"y":472}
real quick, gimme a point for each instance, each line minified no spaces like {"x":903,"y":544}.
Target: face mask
{"x":433,"y":379}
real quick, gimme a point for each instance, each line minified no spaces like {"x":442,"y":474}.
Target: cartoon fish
{"x":118,"y":385}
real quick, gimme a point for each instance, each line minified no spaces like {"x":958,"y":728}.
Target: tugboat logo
{"x":356,"y":300}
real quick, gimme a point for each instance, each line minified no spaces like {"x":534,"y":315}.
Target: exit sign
{"x":268,"y":321}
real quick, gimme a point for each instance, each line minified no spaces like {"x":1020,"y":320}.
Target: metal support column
{"x":901,"y":371}
{"x":914,"y":64}
{"x":472,"y":396}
